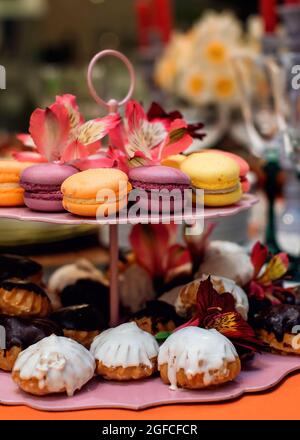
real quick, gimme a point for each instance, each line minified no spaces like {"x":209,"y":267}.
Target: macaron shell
{"x":10,"y":170}
{"x":211,"y":170}
{"x":12,"y":197}
{"x":218,"y":200}
{"x":47,"y":174}
{"x":43,"y":205}
{"x":158,"y":174}
{"x":244,"y":166}
{"x":92,"y":210}
{"x":174,"y":161}
{"x":86,"y":184}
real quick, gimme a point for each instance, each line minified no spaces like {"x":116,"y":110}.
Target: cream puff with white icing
{"x":125,"y":352}
{"x":196,"y":358}
{"x":53,"y":365}
{"x":185,"y":303}
{"x":227,"y":259}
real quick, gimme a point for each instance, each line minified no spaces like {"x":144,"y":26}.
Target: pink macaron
{"x":42,"y":184}
{"x":160,"y":188}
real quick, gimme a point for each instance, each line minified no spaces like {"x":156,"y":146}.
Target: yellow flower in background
{"x":216,"y":52}
{"x":224,"y":87}
{"x":195,"y":84}
{"x":165,"y":73}
{"x":195,"y":65}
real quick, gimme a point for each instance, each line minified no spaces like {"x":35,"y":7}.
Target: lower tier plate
{"x":262,"y":373}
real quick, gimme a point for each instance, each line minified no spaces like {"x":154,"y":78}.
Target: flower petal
{"x":276,"y":268}
{"x":259,"y":256}
{"x":50,"y":130}
{"x":70,"y":103}
{"x":28,"y":156}
{"x":96,"y":129}
{"x":26,"y":139}
{"x":150,"y":244}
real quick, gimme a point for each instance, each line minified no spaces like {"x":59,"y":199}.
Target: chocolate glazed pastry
{"x":80,"y":322}
{"x":24,"y":299}
{"x":14,"y":266}
{"x":277,"y":326}
{"x":86,"y":291}
{"x":20,"y":333}
{"x":157,"y":316}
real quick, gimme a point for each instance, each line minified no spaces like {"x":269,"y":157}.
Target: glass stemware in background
{"x":272,"y":117}
{"x":258,"y":105}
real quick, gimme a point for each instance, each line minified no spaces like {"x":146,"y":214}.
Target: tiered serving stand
{"x":263,"y":372}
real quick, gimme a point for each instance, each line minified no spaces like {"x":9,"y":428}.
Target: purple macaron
{"x":42,"y":184}
{"x":152,"y":179}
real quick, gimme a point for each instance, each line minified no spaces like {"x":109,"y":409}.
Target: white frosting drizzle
{"x":126,"y":345}
{"x":196,"y":350}
{"x":57,"y":363}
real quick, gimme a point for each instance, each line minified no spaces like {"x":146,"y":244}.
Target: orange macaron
{"x":96,"y":192}
{"x":11,"y":193}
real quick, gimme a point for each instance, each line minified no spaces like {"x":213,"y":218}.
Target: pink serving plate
{"x":262,"y":373}
{"x":23,"y":213}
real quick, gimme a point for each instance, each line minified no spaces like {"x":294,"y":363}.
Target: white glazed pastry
{"x":125,"y":352}
{"x":196,"y":358}
{"x":227,"y":259}
{"x":68,"y":275}
{"x":53,"y":365}
{"x":135,"y":287}
{"x":186,"y":300}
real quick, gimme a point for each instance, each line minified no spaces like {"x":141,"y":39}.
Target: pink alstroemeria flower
{"x":149,"y":138}
{"x":60,"y":134}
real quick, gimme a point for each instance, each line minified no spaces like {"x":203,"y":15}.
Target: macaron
{"x":173,"y":161}
{"x":216,"y":174}
{"x":42,"y":184}
{"x":150,"y":180}
{"x":243,"y":165}
{"x":98,"y":191}
{"x":11,"y":193}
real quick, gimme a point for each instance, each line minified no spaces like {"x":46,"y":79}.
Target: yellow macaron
{"x":95,"y":192}
{"x":11,"y":193}
{"x":217,"y":175}
{"x":173,"y":161}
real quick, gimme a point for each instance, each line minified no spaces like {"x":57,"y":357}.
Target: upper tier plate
{"x":23,"y":213}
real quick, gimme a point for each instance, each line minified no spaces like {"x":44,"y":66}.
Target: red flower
{"x":265,"y":281}
{"x":217,"y":311}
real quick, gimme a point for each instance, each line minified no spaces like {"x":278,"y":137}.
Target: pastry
{"x":11,"y":193}
{"x":135,"y":287}
{"x":42,"y":184}
{"x":279,"y":327}
{"x":81,"y":322}
{"x":53,"y":365}
{"x":96,"y":192}
{"x":157,"y":316}
{"x":151,"y":182}
{"x":24,"y":299}
{"x":80,"y":283}
{"x":125,"y":352}
{"x":20,"y":333}
{"x":227,"y":259}
{"x":186,"y":300}
{"x":217,"y":175}
{"x":14,"y":266}
{"x":173,"y":161}
{"x":195,"y":358}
